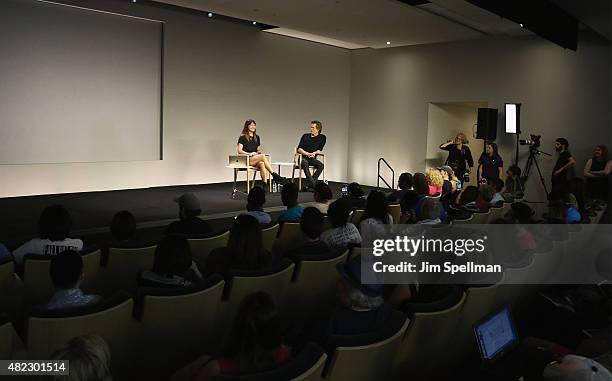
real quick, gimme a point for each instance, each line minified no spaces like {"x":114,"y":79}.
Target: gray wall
{"x":563,"y":93}
{"x":217,"y":74}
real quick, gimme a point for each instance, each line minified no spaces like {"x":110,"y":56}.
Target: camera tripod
{"x":533,"y":151}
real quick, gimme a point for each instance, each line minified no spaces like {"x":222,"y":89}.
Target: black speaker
{"x":487,"y":124}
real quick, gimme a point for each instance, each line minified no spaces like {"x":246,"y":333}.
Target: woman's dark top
{"x":249,"y":145}
{"x":457,"y":158}
{"x":598,"y":186}
{"x":490,"y":166}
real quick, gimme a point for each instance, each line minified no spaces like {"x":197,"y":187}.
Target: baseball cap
{"x":188,"y":201}
{"x":447,"y":169}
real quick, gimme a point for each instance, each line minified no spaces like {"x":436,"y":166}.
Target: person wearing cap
{"x":189,"y":223}
{"x":563,"y":172}
{"x":449,"y":186}
{"x":354,"y":197}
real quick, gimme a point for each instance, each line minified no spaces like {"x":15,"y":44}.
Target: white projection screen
{"x":78,"y":85}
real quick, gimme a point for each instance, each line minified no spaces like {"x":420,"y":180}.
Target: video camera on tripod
{"x":534,"y":141}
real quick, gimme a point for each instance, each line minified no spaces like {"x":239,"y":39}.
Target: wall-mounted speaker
{"x":487,"y":124}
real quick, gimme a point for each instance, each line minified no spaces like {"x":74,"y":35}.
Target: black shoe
{"x":280,"y":180}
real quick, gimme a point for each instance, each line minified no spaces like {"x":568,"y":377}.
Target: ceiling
{"x":355,"y":24}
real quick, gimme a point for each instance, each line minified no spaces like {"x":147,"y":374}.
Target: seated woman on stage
{"x":248,"y":144}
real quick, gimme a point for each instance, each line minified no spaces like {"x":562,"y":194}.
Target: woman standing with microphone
{"x":459,"y":157}
{"x":491,"y":164}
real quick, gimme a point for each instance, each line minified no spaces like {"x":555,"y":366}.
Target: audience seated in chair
{"x":189,"y":223}
{"x":435,"y":181}
{"x":53,"y":229}
{"x":244,"y":250}
{"x":485,"y":195}
{"x":514,"y":185}
{"x":313,"y":248}
{"x":450,"y":182}
{"x":497,"y":185}
{"x":322,"y":196}
{"x":376,"y":211}
{"x":404,"y":183}
{"x":89,"y":358}
{"x":66,"y":272}
{"x":123,"y":227}
{"x":173,"y":265}
{"x":343,"y":233}
{"x":289,"y":196}
{"x":255,"y":203}
{"x":430,"y":212}
{"x":255,"y":344}
{"x":354,"y":197}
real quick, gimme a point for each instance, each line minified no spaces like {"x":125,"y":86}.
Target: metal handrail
{"x":381,"y":178}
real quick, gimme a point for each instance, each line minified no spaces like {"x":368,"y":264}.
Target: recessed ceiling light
{"x":254,"y":22}
{"x":522,"y":26}
{"x":210,"y":14}
{"x":388,"y":42}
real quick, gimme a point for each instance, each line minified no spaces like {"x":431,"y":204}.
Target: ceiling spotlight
{"x":522,"y":26}
{"x":133,"y":1}
{"x":254,"y":22}
{"x":388,"y":42}
{"x":210,"y":14}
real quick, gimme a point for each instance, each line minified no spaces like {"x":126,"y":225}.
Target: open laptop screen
{"x":495,"y":334}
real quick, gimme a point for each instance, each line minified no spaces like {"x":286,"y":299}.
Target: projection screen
{"x":78,"y":85}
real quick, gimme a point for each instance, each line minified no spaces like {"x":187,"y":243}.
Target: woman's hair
{"x":338,"y":213}
{"x":420,"y":184}
{"x":377,"y":207}
{"x":89,"y":358}
{"x":434,"y":177}
{"x":54,"y":223}
{"x":604,"y":151}
{"x":322,"y":192}
{"x":494,"y":146}
{"x":245,"y":130}
{"x":246,"y":243}
{"x":256,"y":334}
{"x":123,"y":226}
{"x":461,"y":136}
{"x":172,"y":256}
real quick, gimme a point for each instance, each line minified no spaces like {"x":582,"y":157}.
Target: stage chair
{"x":201,"y":247}
{"x":123,"y":264}
{"x":240,"y":163}
{"x":395,"y":210}
{"x":307,"y":365}
{"x":353,"y":360}
{"x":184,"y":315}
{"x":268,"y":236}
{"x":112,"y":320}
{"x":297,"y":159}
{"x":312,"y":290}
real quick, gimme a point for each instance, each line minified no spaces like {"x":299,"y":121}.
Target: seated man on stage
{"x":310,"y":146}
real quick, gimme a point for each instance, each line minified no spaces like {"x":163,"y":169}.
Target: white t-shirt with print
{"x":46,"y":247}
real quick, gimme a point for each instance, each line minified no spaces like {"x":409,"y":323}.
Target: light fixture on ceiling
{"x":388,"y":42}
{"x":522,"y":26}
{"x":210,"y":14}
{"x":254,"y":22}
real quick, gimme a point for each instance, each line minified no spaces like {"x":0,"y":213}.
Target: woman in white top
{"x":54,"y":227}
{"x":342,"y":233}
{"x":322,"y":196}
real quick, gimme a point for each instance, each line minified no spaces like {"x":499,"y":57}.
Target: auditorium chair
{"x":49,"y":330}
{"x":268,"y":236}
{"x":480,"y":218}
{"x":289,"y":235}
{"x":240,"y":163}
{"x":369,"y":356}
{"x":37,"y":279}
{"x":312,"y":291}
{"x":122,"y":264}
{"x":326,"y":225}
{"x":465,"y":221}
{"x":6,"y":338}
{"x":177,"y":323}
{"x":429,"y":333}
{"x":395,"y":210}
{"x":307,"y":365}
{"x":518,"y":282}
{"x":11,"y":286}
{"x":201,"y":247}
{"x":356,"y":217}
{"x":297,"y":160}
{"x":496,"y":213}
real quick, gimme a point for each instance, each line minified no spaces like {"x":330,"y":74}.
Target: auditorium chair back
{"x":201,"y":247}
{"x":395,"y":210}
{"x":177,"y":323}
{"x":11,"y":296}
{"x":268,"y":236}
{"x":288,"y":235}
{"x":355,"y":218}
{"x":6,"y":338}
{"x":123,"y":264}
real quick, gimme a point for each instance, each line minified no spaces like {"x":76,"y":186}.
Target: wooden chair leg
{"x":324,"y":167}
{"x":247,"y":182}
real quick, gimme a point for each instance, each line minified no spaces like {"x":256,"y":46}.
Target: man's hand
{"x":311,"y":155}
{"x":557,"y":172}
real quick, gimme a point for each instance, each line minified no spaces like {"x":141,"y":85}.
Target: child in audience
{"x":255,"y":203}
{"x":89,"y":358}
{"x":435,"y":181}
{"x":173,"y":265}
{"x":322,"y":196}
{"x":376,"y":211}
{"x":66,"y":272}
{"x":343,"y":233}
{"x":123,"y":227}
{"x":313,"y":248}
{"x":498,"y":186}
{"x":289,"y":196}
{"x":404,"y":183}
{"x":54,"y":227}
{"x":255,"y":345}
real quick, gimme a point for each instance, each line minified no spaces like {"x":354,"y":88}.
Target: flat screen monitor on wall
{"x":78,"y":85}
{"x":513,"y":118}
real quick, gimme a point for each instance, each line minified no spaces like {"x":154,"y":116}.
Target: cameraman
{"x":563,"y":172}
{"x":459,"y":157}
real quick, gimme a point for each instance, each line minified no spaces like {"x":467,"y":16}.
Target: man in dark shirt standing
{"x":563,"y":172}
{"x":189,"y":223}
{"x":310,"y":146}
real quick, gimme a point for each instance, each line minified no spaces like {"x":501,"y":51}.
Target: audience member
{"x":430,"y":212}
{"x":123,"y":226}
{"x":255,"y":203}
{"x":343,"y":233}
{"x":89,"y":359}
{"x":573,"y":215}
{"x":189,"y":223}
{"x":514,"y":185}
{"x":563,"y":172}
{"x":520,"y":213}
{"x":491,"y":164}
{"x":173,"y":265}
{"x":354,"y":197}
{"x":497,"y":185}
{"x":596,"y":172}
{"x":449,"y":186}
{"x":66,"y":272}
{"x":313,"y":248}
{"x":244,"y":250}
{"x":485,"y":195}
{"x":468,"y":196}
{"x":323,"y":196}
{"x":255,"y":344}
{"x":54,"y":227}
{"x":289,"y":197}
{"x":404,"y":183}
{"x":557,"y":212}
{"x":376,"y":211}
{"x":435,"y":181}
